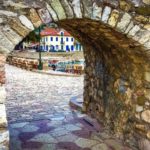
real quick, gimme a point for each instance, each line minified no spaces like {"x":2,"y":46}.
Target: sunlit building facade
{"x":58,"y":40}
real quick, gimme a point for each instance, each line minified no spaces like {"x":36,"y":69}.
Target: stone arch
{"x":116,"y":37}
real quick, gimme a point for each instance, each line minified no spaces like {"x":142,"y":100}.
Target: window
{"x":51,"y":38}
{"x":46,"y":47}
{"x":62,"y":33}
{"x":77,"y":46}
{"x":62,"y":41}
{"x":46,"y":39}
{"x":72,"y":39}
{"x":43,"y":39}
{"x":80,"y":47}
{"x":72,"y":47}
{"x":56,"y":38}
{"x":67,"y":47}
{"x":67,"y":39}
{"x":57,"y":47}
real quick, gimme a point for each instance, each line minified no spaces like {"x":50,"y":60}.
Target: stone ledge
{"x":76,"y":103}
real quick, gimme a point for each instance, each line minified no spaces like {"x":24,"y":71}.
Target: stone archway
{"x":116,"y":37}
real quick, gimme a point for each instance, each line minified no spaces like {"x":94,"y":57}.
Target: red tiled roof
{"x":53,"y":32}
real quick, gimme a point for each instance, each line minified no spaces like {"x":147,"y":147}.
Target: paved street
{"x":40,"y":118}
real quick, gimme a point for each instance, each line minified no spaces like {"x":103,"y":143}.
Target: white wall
{"x":47,"y":42}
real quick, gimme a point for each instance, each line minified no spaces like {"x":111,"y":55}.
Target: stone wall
{"x":117,"y":92}
{"x":116,"y":37}
{"x":4,"y":134}
{"x":117,"y":81}
{"x":24,"y":63}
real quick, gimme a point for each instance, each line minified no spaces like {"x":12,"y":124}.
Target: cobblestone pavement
{"x":40,"y":118}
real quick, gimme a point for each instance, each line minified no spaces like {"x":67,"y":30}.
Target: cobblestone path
{"x":40,"y":118}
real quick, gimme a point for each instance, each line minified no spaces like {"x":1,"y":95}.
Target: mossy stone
{"x":141,"y":100}
{"x":144,"y":10}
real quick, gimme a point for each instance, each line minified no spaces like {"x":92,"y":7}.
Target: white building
{"x":58,"y":40}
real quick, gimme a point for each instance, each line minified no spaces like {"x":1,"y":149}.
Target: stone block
{"x":147,"y":76}
{"x":18,"y":27}
{"x":26,"y":22}
{"x":139,"y":108}
{"x":147,"y":27}
{"x":67,"y":8}
{"x":124,"y":5}
{"x":124,"y":22}
{"x":56,"y":5}
{"x":147,"y":94}
{"x":3,"y":121}
{"x":52,"y":12}
{"x":148,"y":134}
{"x":106,"y":13}
{"x":141,"y":18}
{"x":8,"y":13}
{"x":133,"y":31}
{"x":113,"y":18}
{"x":87,"y":8}
{"x":130,"y":26}
{"x":146,"y":2}
{"x":10,"y":34}
{"x":142,"y":36}
{"x":1,"y":20}
{"x":45,"y":16}
{"x":6,"y":43}
{"x":146,"y":116}
{"x":34,"y":17}
{"x":77,"y":8}
{"x":97,"y":12}
{"x":2,"y":94}
{"x":147,"y":44}
{"x":2,"y":59}
{"x":4,"y":138}
{"x":145,"y":36}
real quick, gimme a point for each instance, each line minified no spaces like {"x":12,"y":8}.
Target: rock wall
{"x":24,"y":63}
{"x":117,"y":91}
{"x":4,"y":134}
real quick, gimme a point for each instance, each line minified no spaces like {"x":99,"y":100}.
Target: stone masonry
{"x":4,"y":135}
{"x":116,"y":37}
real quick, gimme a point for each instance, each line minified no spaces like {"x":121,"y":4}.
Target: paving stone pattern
{"x":116,"y":38}
{"x":40,"y":118}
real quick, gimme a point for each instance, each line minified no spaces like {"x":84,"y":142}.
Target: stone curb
{"x":75,"y":105}
{"x":47,"y":73}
